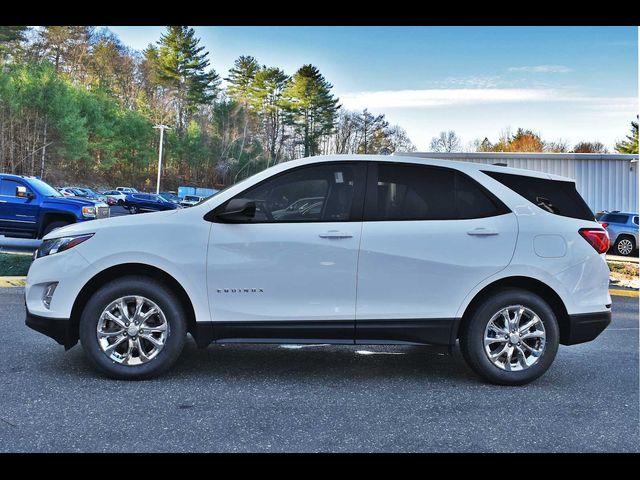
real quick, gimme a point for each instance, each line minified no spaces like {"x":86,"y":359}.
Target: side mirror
{"x":238,"y":210}
{"x":21,"y":192}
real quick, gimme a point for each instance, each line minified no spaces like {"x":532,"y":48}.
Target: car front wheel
{"x":511,"y":338}
{"x":133,"y":328}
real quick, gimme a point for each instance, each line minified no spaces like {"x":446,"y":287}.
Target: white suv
{"x":394,"y":250}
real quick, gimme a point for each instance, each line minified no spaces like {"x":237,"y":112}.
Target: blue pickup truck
{"x":31,"y":208}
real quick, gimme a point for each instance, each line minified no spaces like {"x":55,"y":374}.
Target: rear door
{"x":429,"y":236}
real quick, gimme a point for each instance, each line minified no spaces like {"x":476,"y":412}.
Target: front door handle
{"x":482,"y":231}
{"x":335,"y":234}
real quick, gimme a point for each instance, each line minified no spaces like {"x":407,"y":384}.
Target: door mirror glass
{"x":237,"y":210}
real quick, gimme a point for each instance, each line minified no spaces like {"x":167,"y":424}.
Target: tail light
{"x":604,"y":224}
{"x":597,"y":238}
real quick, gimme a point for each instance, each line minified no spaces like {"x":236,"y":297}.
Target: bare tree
{"x":446,"y":142}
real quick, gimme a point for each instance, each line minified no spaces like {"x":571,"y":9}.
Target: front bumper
{"x":584,"y":327}
{"x":60,"y":329}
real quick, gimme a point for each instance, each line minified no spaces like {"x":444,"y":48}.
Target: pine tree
{"x":181,"y":68}
{"x":312,"y":109}
{"x":267,"y":89}
{"x":241,"y":78}
{"x":10,"y":38}
{"x":371,"y":127}
{"x":630,"y":145}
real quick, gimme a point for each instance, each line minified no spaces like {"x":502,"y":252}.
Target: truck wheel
{"x":53,"y":225}
{"x":512,"y":337}
{"x":133,"y":328}
{"x":625,"y":245}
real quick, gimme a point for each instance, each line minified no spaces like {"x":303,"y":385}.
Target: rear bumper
{"x":584,"y":327}
{"x":60,"y":329}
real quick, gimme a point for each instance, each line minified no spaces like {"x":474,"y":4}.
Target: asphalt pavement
{"x":270,"y":398}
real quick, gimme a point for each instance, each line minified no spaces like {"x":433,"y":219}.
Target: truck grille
{"x":103,"y":212}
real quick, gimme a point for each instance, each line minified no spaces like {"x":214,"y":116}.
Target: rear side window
{"x":635,"y":220}
{"x":554,"y":196}
{"x":416,"y":192}
{"x":614,"y":218}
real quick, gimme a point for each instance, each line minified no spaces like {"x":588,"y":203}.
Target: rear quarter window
{"x":614,"y":218}
{"x":553,"y":196}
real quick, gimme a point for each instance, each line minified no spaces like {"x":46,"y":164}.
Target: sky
{"x":565,"y":83}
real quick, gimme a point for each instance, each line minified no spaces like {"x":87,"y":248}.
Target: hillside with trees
{"x":78,"y":106}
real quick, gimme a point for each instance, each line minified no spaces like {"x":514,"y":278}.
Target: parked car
{"x":622,"y":228}
{"x":170,"y":197}
{"x":431,"y":252}
{"x":190,"y":200}
{"x":85,"y":192}
{"x":67,"y":191}
{"x":115,"y":197}
{"x":126,"y":189}
{"x":31,"y":208}
{"x":147,"y":202}
{"x":300,"y":208}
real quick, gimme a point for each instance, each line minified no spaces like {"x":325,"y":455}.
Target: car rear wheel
{"x":625,"y":245}
{"x":511,"y":338}
{"x":134,"y":209}
{"x":133,"y":328}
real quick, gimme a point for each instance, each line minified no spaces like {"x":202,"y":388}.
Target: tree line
{"x":77,"y":105}
{"x":528,"y":141}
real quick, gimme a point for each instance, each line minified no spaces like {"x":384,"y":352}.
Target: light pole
{"x":162,"y":128}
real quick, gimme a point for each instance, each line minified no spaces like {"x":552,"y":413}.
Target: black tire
{"x":623,"y":242}
{"x":120,"y":202}
{"x":473,"y":331}
{"x":53,"y":225}
{"x":153,"y":290}
{"x":133,"y":209}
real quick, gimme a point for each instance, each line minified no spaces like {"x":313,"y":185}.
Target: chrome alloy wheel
{"x":132,"y":330}
{"x":514,"y":338}
{"x":625,"y":247}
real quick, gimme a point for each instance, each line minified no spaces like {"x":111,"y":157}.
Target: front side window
{"x":635,"y":220}
{"x":319,"y":193}
{"x":417,"y":192}
{"x":8,"y":187}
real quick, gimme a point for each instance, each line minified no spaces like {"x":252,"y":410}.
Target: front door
{"x":429,"y":236}
{"x":290,"y":272}
{"x":18,"y":215}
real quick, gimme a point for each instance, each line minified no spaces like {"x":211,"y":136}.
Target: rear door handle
{"x":335,"y":234}
{"x":482,"y":232}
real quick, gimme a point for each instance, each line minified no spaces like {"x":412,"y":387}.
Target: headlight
{"x":89,"y":212}
{"x":56,"y":245}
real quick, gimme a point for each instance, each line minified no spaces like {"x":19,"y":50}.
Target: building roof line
{"x":522,"y":155}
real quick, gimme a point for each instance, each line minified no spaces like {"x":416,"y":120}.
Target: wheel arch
{"x":49,"y":217}
{"x":525,"y":283}
{"x":126,"y":269}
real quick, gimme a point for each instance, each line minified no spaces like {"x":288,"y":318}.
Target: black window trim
{"x":372,"y":184}
{"x":357,"y":207}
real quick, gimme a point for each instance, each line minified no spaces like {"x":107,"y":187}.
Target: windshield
{"x":44,"y":188}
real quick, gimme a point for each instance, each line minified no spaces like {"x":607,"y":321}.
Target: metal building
{"x":605,"y":181}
